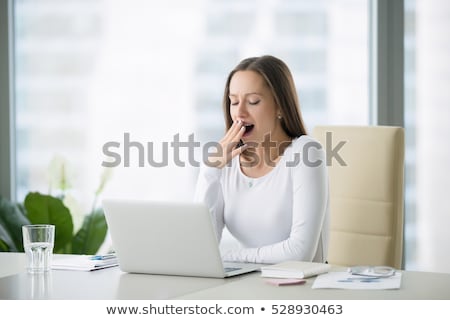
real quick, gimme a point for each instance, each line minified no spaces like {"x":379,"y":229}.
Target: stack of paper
{"x":294,"y":269}
{"x":85,"y":262}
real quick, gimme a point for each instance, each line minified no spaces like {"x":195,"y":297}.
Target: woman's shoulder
{"x":304,"y":143}
{"x":305,"y":150}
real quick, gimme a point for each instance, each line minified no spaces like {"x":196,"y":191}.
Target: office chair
{"x":366,"y":193}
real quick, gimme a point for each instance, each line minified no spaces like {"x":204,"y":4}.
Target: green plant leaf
{"x":11,"y":221}
{"x":6,"y":243}
{"x":3,"y":246}
{"x":45,"y":209}
{"x":91,"y":234}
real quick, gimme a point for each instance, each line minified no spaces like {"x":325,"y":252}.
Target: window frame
{"x":386,"y":62}
{"x":7,"y":107}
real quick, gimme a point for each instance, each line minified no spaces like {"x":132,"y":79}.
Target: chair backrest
{"x":366,"y":169}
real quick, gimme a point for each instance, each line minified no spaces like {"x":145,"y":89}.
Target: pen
{"x":360,"y":280}
{"x":103,"y":257}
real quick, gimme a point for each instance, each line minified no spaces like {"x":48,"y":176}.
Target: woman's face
{"x":252,"y":102}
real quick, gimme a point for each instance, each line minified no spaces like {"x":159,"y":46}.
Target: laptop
{"x":167,"y":238}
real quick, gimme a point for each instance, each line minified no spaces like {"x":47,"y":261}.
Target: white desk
{"x":415,"y":286}
{"x":111,"y":283}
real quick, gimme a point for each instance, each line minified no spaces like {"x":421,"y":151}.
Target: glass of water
{"x":38,"y":242}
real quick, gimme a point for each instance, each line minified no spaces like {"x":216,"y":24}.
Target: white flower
{"x":76,"y":210}
{"x":60,"y":174}
{"x":105,"y":177}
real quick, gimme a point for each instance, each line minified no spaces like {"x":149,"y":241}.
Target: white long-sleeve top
{"x":283,"y":215}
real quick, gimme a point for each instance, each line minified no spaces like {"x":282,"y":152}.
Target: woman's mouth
{"x":248,"y":129}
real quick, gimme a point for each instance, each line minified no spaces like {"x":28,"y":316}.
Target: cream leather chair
{"x":366,"y":194}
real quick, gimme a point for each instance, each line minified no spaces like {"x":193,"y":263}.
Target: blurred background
{"x":89,"y":71}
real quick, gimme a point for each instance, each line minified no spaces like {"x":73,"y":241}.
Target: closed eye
{"x":254,"y":102}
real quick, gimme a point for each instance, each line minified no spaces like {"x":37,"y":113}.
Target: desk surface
{"x":111,"y":283}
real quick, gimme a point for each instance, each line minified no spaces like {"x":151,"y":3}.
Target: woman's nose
{"x":241,"y":110}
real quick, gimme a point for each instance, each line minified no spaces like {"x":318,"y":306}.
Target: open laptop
{"x":167,"y":238}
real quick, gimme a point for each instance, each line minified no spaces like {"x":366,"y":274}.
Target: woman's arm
{"x":208,"y":189}
{"x":209,"y":192}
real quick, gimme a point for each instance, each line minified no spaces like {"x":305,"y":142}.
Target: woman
{"x":267,"y":182}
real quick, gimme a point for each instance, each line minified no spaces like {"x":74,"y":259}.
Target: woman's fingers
{"x":239,"y":134}
{"x":233,"y":138}
{"x":228,"y":146}
{"x":234,"y":129}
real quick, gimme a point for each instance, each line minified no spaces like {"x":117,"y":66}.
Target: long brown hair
{"x":279,"y":79}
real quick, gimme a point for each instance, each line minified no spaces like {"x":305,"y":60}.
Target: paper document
{"x":85,"y":262}
{"x":345,"y":280}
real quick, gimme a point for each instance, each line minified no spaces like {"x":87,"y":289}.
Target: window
{"x":89,"y":73}
{"x":427,"y":79}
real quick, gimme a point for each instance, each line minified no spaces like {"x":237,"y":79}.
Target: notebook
{"x":84,"y":262}
{"x":167,"y":238}
{"x":294,"y":269}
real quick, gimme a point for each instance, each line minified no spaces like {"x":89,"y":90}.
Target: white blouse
{"x":283,"y":215}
